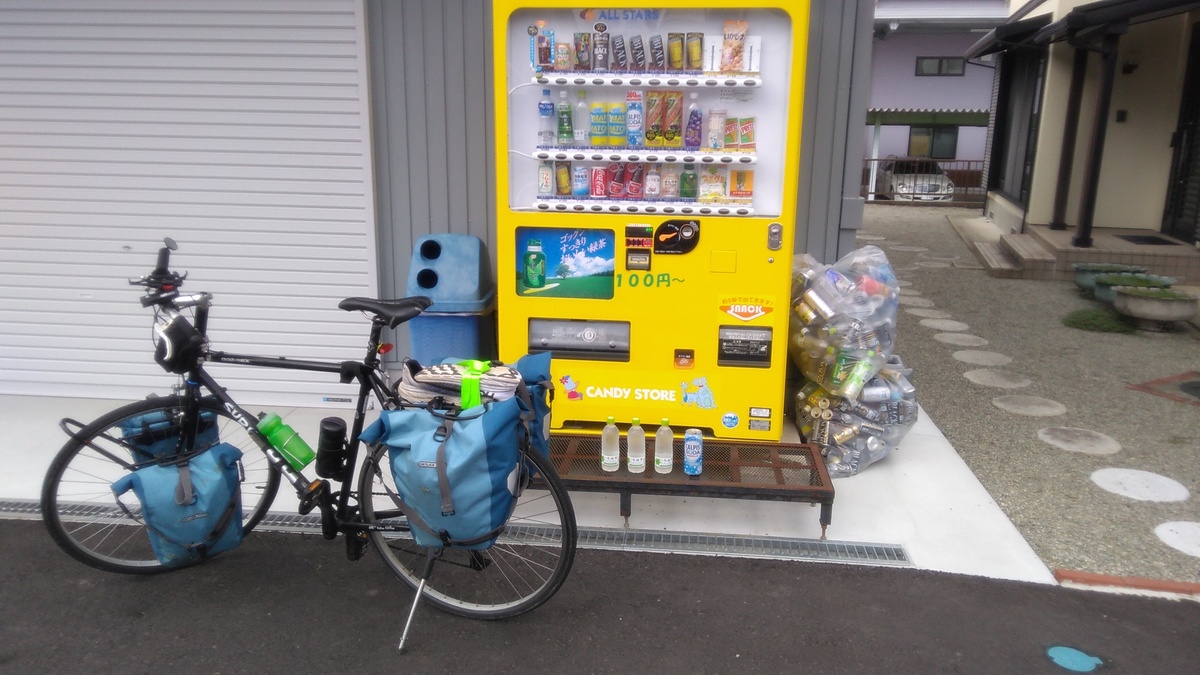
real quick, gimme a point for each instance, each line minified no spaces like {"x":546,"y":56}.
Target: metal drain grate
{"x":20,"y":509}
{"x":778,"y":548}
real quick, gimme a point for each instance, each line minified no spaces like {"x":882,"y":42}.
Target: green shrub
{"x":1153,"y":292}
{"x":1100,"y":320}
{"x":1138,"y":280}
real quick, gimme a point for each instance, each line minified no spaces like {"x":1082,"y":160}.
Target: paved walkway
{"x":1098,"y":477}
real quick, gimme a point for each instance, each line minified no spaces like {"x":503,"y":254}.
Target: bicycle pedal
{"x":312,"y":496}
{"x":356,"y":545}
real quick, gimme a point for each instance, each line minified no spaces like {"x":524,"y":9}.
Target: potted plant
{"x":1155,"y":308}
{"x":1085,"y":273}
{"x":1105,"y":283}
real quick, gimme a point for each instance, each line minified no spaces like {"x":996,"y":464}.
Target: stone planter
{"x":1155,"y":308}
{"x":1105,"y":283}
{"x":1085,"y":273}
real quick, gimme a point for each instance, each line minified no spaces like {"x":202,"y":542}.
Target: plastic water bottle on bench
{"x":610,"y":446}
{"x":635,"y":447}
{"x":664,"y":448}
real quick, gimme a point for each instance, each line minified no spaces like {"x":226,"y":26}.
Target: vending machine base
{"x":764,"y":471}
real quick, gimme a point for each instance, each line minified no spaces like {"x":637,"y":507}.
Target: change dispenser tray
{"x":580,"y":339}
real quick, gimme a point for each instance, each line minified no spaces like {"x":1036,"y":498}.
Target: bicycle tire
{"x":79,"y":508}
{"x":522,"y":570}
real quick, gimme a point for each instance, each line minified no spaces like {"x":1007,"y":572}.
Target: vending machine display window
{"x":648,"y":110}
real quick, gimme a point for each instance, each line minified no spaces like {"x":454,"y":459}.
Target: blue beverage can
{"x":693,"y":452}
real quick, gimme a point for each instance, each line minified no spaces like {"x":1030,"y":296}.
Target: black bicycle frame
{"x":365,"y":372}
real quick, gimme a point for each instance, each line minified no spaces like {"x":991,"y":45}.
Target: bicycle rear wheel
{"x":81,"y":512}
{"x":522,"y":570}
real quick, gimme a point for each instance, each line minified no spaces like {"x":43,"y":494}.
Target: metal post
{"x":1091,"y":177}
{"x":1070,"y":131}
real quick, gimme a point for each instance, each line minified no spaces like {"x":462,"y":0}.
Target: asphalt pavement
{"x":285,"y":603}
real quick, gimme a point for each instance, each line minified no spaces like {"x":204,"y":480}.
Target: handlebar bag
{"x":178,"y":346}
{"x":157,"y":433}
{"x":457,"y":472}
{"x":192,"y":509}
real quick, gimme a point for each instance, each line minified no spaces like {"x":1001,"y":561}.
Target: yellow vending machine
{"x":647,"y":163}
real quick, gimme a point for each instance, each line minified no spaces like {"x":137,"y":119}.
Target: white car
{"x":914,"y":179}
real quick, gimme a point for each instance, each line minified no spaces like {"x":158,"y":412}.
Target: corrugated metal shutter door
{"x":240,"y":129}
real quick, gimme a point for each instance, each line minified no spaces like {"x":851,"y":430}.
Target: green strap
{"x":470,"y":383}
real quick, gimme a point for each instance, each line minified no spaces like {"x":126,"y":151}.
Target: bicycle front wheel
{"x":81,"y":512}
{"x":522,"y":570}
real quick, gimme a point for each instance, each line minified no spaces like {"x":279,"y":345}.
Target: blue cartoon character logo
{"x":570,"y":387}
{"x":701,"y":396}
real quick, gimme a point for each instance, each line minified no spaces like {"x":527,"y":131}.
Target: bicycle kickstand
{"x":430,"y":558}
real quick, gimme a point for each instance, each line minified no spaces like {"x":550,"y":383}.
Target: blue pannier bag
{"x":156,"y":434}
{"x":192,"y":509}
{"x":457,"y":472}
{"x":535,"y":369}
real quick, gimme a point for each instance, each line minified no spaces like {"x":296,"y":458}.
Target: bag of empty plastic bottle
{"x":853,"y":434}
{"x":843,"y":320}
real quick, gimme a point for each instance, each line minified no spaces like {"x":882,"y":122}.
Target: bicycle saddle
{"x":391,"y":312}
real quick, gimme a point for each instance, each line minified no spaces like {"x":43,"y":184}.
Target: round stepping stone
{"x":914,"y":301}
{"x":1074,"y":439}
{"x":1140,"y":485}
{"x":910,"y":249}
{"x":982,"y":358}
{"x":929,"y":313}
{"x":961,"y":339}
{"x":996,"y":378}
{"x":938,"y":256}
{"x":903,"y":284}
{"x":870,"y":237}
{"x":945,"y":325}
{"x":907,"y":268}
{"x":930,"y":263}
{"x":1181,"y":536}
{"x":1030,"y":406}
{"x":909,"y":291}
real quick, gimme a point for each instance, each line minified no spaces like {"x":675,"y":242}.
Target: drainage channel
{"x":654,"y":541}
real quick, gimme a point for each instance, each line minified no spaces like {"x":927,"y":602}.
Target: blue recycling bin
{"x":453,"y":270}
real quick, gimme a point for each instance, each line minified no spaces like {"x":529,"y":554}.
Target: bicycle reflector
{"x":385,"y":348}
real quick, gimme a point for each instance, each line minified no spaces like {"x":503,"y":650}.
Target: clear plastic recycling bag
{"x":843,"y":319}
{"x":853,"y":434}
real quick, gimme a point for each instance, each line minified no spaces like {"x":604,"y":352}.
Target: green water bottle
{"x":285,"y":439}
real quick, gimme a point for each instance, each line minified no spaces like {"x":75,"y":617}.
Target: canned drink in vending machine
{"x":599,"y":182}
{"x":693,"y":452}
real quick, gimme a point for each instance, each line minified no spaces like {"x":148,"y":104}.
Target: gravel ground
{"x":1048,"y":493}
